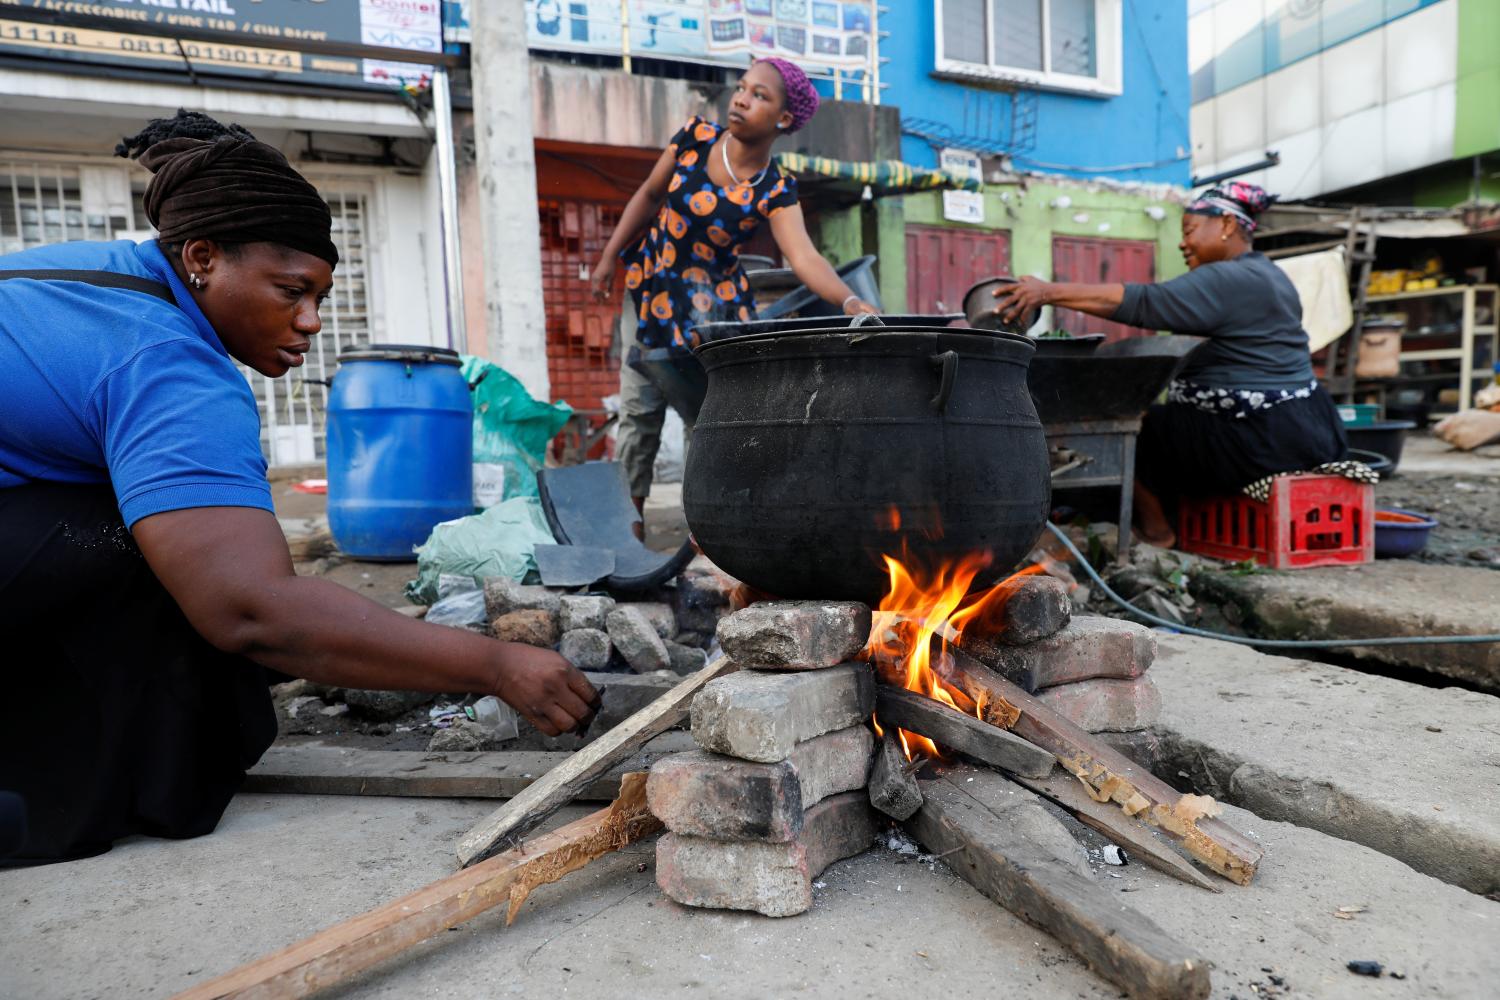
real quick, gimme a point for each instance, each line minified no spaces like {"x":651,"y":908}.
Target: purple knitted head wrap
{"x":801,"y":98}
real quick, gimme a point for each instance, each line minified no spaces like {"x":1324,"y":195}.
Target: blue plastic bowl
{"x":1397,"y":539}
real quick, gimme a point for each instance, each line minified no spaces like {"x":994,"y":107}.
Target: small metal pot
{"x":979,"y":308}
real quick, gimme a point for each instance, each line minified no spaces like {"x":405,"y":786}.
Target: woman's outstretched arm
{"x":637,"y":215}
{"x":1012,"y":301}
{"x":790,"y":230}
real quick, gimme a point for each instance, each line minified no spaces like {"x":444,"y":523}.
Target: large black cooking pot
{"x":816,"y":453}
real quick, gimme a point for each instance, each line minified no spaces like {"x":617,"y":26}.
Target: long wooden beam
{"x":1110,"y":775}
{"x":953,"y":729}
{"x":532,"y":806}
{"x":333,"y":955}
{"x":493,"y":774}
{"x":1119,"y":944}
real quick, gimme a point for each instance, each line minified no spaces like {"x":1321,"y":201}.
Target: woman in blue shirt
{"x":144,"y":581}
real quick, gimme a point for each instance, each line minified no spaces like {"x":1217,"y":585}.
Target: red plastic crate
{"x":1309,"y":520}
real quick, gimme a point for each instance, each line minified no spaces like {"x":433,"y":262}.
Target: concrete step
{"x":1392,"y":597}
{"x":1407,"y":770}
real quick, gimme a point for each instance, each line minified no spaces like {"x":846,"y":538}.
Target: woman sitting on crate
{"x":706,"y":197}
{"x":1246,"y":405}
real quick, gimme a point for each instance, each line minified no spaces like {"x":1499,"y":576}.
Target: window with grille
{"x":51,"y":201}
{"x":1053,"y":44}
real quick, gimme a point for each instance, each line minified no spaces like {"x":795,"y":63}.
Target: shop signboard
{"x":820,"y":35}
{"x":340,"y":42}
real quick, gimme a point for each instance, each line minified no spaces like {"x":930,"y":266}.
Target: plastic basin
{"x":1400,"y":533}
{"x":1384,"y":437}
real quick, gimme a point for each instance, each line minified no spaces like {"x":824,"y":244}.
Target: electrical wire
{"x":1418,"y":640}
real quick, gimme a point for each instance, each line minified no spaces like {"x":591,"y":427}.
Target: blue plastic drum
{"x":400,"y":449}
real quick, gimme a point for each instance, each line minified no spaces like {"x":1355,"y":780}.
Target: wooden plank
{"x":333,"y":955}
{"x":324,"y":770}
{"x":951,"y":728}
{"x":1113,"y":777}
{"x":1119,"y":944}
{"x":1144,"y":843}
{"x":522,"y":814}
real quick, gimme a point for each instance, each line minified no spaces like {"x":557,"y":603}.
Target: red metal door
{"x":943,"y":263}
{"x":580,"y":331}
{"x":1098,"y":262}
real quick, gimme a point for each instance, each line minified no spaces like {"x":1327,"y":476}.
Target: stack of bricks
{"x":1090,"y":670}
{"x":776,"y":792}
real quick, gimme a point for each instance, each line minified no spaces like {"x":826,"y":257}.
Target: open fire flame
{"x":922,"y":605}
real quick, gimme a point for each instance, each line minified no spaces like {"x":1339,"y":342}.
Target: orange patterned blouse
{"x":686,"y":269}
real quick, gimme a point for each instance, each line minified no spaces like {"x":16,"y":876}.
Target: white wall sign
{"x":962,"y":206}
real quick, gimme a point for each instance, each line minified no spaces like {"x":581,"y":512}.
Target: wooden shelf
{"x":1427,"y":293}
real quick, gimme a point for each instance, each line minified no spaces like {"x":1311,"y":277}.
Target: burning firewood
{"x":1110,"y":776}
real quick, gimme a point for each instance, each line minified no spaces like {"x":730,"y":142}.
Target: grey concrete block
{"x":795,"y":635}
{"x":1105,"y":705}
{"x":623,"y":695}
{"x":763,"y":716}
{"x":659,"y":615}
{"x":586,"y":648}
{"x":773,"y":879}
{"x":686,"y":659}
{"x":502,"y":596}
{"x":637,"y":639}
{"x":1088,"y":647}
{"x":584,"y":611}
{"x":710,"y":795}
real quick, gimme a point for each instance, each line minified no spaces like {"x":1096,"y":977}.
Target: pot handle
{"x":948,"y":362}
{"x":864,"y":318}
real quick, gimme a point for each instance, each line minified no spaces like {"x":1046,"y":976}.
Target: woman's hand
{"x":548,"y":691}
{"x":1014,"y":301}
{"x":602,"y":280}
{"x":854,"y":306}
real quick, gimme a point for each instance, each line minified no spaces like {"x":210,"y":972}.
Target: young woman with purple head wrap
{"x":1246,"y":404}
{"x":681,"y":235}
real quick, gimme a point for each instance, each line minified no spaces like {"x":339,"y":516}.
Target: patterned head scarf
{"x":801,"y":98}
{"x":1241,"y":201}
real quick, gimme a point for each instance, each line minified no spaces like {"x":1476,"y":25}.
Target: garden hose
{"x":1417,"y":640}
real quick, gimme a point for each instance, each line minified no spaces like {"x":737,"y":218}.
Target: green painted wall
{"x":1477,"y":116}
{"x":1026,"y":211}
{"x":876,"y":227}
{"x":839,"y":234}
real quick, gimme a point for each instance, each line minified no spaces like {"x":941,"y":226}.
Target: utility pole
{"x":515,"y":322}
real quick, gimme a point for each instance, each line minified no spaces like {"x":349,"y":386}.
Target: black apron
{"x":118,"y":718}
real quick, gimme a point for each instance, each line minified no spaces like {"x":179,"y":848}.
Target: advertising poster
{"x":820,"y":34}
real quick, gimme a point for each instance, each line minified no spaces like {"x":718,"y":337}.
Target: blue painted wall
{"x":1142,"y":135}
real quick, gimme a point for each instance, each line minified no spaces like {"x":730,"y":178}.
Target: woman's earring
{"x":781,"y":125}
{"x":196,"y":280}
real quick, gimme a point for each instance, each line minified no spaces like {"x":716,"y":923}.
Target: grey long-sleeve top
{"x":1247,"y":308}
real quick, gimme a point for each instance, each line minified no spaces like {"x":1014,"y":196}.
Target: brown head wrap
{"x":229,"y":187}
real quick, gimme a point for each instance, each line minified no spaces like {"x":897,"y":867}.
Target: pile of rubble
{"x":632,"y":648}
